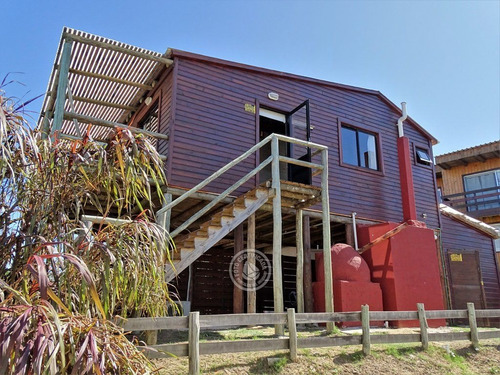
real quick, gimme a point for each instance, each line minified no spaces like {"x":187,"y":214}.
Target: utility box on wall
{"x":407,"y":268}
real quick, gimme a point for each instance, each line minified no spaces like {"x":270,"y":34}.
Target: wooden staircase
{"x":196,"y":243}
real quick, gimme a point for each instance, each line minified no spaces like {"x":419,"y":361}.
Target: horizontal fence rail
{"x":195,"y":322}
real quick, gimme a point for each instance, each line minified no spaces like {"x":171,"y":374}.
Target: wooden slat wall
{"x":213,"y":288}
{"x":452,"y":178}
{"x":212,"y":127}
{"x":165,"y":113}
{"x":457,"y":236}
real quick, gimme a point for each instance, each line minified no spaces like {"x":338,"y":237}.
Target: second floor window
{"x":483,"y":189}
{"x":359,"y":148}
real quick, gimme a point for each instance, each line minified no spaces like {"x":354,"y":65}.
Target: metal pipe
{"x":401,"y":119}
{"x":354,"y":231}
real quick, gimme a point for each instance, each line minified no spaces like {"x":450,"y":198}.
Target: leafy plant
{"x":61,"y":279}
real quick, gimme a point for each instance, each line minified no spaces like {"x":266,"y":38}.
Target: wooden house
{"x":252,"y":156}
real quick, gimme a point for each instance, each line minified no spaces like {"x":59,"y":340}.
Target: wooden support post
{"x":292,"y":333}
{"x":474,"y":336}
{"x":251,"y":294}
{"x":151,"y":337}
{"x":300,"y":261}
{"x":194,"y":343}
{"x":238,"y":297}
{"x":365,"y":328}
{"x":327,"y":256}
{"x":277,"y":233}
{"x":163,"y":218}
{"x":308,"y":291}
{"x":62,"y":85}
{"x":46,"y":124}
{"x":424,"y":336}
{"x":349,"y":235}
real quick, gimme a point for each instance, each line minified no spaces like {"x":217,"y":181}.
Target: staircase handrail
{"x":241,"y":181}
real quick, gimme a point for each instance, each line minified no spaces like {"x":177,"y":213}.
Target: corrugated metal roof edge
{"x":171,"y":53}
{"x":469,"y":148}
{"x":470,"y":221}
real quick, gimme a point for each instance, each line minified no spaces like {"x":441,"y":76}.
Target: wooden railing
{"x":482,"y":202}
{"x":196,"y":322}
{"x":163,"y":215}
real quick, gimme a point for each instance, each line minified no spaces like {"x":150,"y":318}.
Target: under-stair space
{"x":217,"y":224}
{"x":207,"y":226}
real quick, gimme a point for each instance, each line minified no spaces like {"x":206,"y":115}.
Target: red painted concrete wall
{"x":407,"y":268}
{"x":352,"y":286}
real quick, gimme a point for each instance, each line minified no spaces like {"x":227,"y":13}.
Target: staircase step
{"x":199,"y":240}
{"x":218,"y":226}
{"x":226,"y":220}
{"x":213,"y":228}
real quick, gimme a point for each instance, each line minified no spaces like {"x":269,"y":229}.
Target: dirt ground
{"x":441,"y":358}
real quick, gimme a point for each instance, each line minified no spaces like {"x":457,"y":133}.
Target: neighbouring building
{"x":469,"y":181}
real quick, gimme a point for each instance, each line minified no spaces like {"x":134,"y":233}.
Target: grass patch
{"x":457,"y":361}
{"x":280,"y":364}
{"x":399,"y":352}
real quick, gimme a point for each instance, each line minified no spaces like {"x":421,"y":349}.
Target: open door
{"x":294,"y":124}
{"x":299,"y":126}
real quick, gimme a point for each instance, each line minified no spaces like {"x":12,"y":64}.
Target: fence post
{"x":292,"y":334}
{"x":424,"y":336}
{"x":194,"y":343}
{"x":365,"y":329}
{"x":474,"y":337}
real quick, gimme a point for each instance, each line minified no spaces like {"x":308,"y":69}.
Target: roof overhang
{"x":470,"y":221}
{"x":106,"y":82}
{"x":479,"y":153}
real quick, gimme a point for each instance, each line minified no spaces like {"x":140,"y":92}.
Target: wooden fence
{"x":194,"y":322}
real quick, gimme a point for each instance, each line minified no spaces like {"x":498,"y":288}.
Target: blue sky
{"x":441,"y":57}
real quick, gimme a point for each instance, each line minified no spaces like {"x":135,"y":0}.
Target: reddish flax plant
{"x":60,"y":280}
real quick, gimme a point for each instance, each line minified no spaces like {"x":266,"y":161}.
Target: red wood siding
{"x":457,"y":236}
{"x":212,"y":128}
{"x":165,"y":113}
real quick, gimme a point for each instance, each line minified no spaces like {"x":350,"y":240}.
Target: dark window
{"x":423,"y":156}
{"x":359,"y":148}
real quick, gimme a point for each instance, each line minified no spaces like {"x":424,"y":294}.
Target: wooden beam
{"x":251,"y":293}
{"x":300,"y":261}
{"x":105,"y":220}
{"x":383,"y":237}
{"x":277,"y":233}
{"x":292,"y":332}
{"x":365,"y":328}
{"x":109,"y":78}
{"x":62,"y":86}
{"x":113,"y":47}
{"x":308,"y":291}
{"x":103,"y":103}
{"x":471,"y":314}
{"x":194,"y":343}
{"x":424,"y":336}
{"x":327,"y":255}
{"x":238,"y":298}
{"x":72,"y":106}
{"x":111,"y":124}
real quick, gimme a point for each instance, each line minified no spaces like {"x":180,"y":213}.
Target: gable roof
{"x":470,"y":221}
{"x":173,"y":53}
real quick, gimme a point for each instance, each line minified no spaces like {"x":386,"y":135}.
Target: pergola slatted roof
{"x":106,"y":80}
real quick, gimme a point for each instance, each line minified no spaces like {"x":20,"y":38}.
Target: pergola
{"x":98,"y":81}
